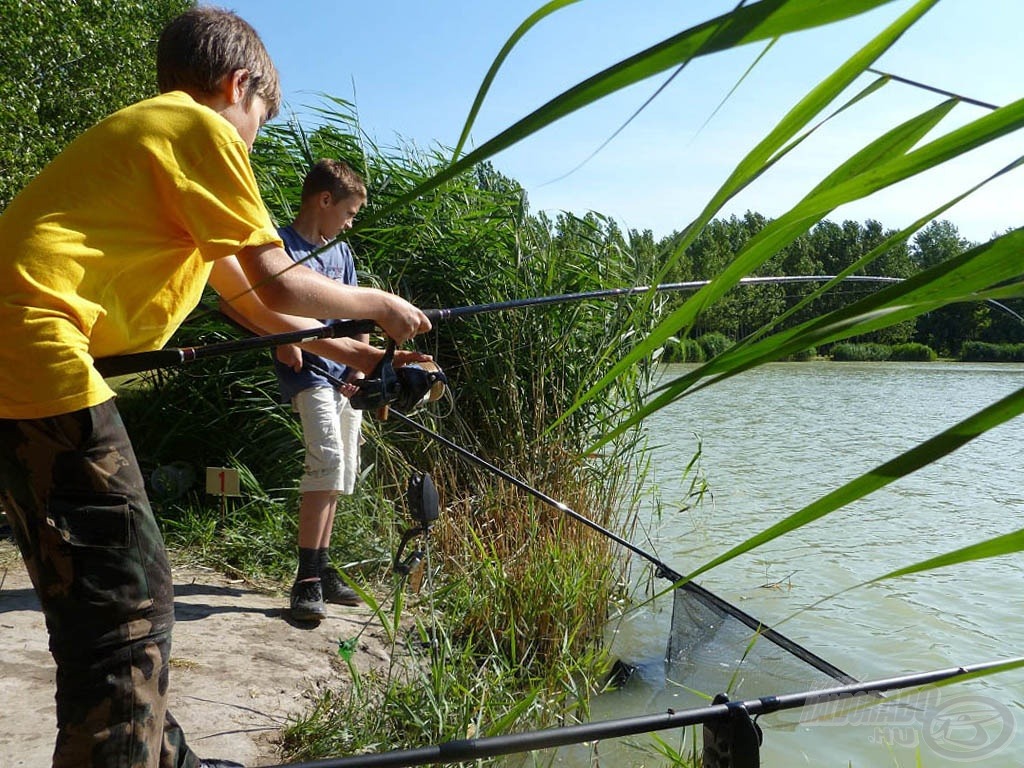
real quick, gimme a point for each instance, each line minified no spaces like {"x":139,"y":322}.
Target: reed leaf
{"x":1007,"y":544}
{"x":761,"y":21}
{"x":930,"y":450}
{"x":772,"y":148}
{"x":777,"y":143}
{"x":532,"y":20}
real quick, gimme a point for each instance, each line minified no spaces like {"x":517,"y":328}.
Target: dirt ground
{"x":239,"y":666}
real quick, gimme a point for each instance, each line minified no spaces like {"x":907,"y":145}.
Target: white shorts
{"x":331,"y":433}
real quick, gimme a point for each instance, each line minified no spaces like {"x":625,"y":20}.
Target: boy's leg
{"x":77,"y":505}
{"x":319,"y":416}
{"x":350,"y":421}
{"x":316,"y":517}
{"x":326,"y":432}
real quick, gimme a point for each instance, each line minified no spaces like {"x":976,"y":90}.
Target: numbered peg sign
{"x":222,"y":481}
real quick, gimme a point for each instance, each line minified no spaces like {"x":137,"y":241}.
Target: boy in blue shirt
{"x":332,"y":194}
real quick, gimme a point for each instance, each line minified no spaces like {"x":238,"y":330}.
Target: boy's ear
{"x":326,"y":199}
{"x":234,"y":85}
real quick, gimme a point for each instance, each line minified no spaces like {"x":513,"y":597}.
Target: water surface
{"x":775,"y":439}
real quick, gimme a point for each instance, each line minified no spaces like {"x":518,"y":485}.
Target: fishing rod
{"x":119,"y":365}
{"x":495,"y":746}
{"x":611,"y":293}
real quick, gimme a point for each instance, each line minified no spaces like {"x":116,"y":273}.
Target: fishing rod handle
{"x":120,"y":365}
{"x":141,"y":361}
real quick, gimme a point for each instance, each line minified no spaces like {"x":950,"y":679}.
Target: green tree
{"x":65,"y":66}
{"x":937,"y":242}
{"x":945,"y":329}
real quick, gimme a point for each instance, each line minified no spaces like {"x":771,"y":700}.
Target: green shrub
{"x":984,"y":352}
{"x":913,"y":352}
{"x":683,"y":351}
{"x":803,"y":355}
{"x":849,"y":352}
{"x":714,"y":343}
{"x":692,"y":351}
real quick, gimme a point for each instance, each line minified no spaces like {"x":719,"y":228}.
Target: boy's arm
{"x":293,"y":289}
{"x":245,"y":307}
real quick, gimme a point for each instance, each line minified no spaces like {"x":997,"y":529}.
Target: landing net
{"x":715,"y":647}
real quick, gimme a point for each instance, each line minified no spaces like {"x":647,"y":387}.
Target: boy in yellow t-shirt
{"x":104,"y":253}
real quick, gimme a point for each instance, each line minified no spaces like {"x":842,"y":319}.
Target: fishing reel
{"x":405,"y":388}
{"x":422,"y":499}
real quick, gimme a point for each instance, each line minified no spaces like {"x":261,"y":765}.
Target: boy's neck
{"x":308,"y":227}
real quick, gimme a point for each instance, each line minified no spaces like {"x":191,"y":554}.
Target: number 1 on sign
{"x":222,"y":481}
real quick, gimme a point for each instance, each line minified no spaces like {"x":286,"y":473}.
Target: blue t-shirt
{"x":337,"y":263}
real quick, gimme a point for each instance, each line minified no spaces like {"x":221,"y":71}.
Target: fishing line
{"x":933,"y":89}
{"x":709,"y":601}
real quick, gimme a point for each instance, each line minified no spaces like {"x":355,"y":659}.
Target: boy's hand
{"x":402,"y":320}
{"x":290,"y":355}
{"x":347,"y":389}
{"x":406,"y":356}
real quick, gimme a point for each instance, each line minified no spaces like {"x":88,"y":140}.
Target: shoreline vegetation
{"x":704,"y":348}
{"x":511,"y":617}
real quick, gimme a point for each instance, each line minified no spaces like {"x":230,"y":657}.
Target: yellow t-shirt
{"x":108,"y":249}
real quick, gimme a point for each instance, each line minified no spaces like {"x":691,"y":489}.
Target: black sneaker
{"x":307,"y":601}
{"x":219,"y":764}
{"x":335,"y":590}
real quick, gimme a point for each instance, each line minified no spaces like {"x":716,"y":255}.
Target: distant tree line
{"x":828,"y":249}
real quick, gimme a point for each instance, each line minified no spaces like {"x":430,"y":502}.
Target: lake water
{"x":774,"y":440}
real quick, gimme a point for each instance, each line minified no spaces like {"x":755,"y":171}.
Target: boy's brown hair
{"x":203,"y":45}
{"x":336,"y":177}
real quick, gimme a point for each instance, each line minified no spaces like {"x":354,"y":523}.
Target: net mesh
{"x":714,"y":647}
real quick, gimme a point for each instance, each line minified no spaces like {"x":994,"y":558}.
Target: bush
{"x":913,"y":352}
{"x":683,"y":351}
{"x":714,"y":343}
{"x":984,"y":352}
{"x":803,"y":355}
{"x":848,"y":352}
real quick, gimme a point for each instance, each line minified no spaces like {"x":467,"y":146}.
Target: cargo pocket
{"x":106,"y":572}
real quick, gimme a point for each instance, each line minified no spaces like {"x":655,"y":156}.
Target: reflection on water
{"x":780,"y":437}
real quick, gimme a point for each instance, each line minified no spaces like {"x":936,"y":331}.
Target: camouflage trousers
{"x":76,"y":502}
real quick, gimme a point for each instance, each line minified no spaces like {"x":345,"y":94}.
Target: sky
{"x":412,"y":69}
